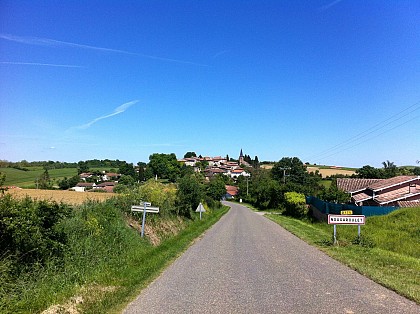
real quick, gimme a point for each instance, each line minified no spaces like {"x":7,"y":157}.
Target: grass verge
{"x":388,"y":251}
{"x":105,"y":263}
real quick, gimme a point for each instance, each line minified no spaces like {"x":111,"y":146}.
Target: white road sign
{"x":346,"y":219}
{"x":200,"y":209}
{"x":148,"y":209}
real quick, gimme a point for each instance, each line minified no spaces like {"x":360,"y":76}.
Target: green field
{"x":27,"y":179}
{"x":388,"y":251}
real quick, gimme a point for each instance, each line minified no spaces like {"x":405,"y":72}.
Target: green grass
{"x":326,"y":183}
{"x":106,"y":262}
{"x":27,"y":179}
{"x":388,"y":253}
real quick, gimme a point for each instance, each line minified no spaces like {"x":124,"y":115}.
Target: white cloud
{"x":58,"y":43}
{"x":329,"y":5}
{"x":42,"y":64}
{"x":118,"y":110}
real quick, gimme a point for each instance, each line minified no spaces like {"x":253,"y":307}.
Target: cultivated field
{"x":69,"y":197}
{"x":326,"y":172}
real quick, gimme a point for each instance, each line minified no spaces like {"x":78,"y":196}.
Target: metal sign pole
{"x":358,"y":231}
{"x":335,"y":234}
{"x":144,"y":220}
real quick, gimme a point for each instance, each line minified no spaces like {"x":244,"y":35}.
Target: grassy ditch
{"x":103,"y":263}
{"x":388,"y":251}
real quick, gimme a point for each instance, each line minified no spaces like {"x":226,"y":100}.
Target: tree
{"x":44,"y":180}
{"x":290,"y":170}
{"x":82,"y":167}
{"x":142,"y":171}
{"x":256,"y":162}
{"x":127,"y":169}
{"x":216,"y":188}
{"x":264,"y":191}
{"x":165,"y":166}
{"x":190,"y":154}
{"x":390,"y":169}
{"x":189,"y":195}
{"x":334,"y":194}
{"x":127,"y":180}
{"x":2,"y":180}
{"x":369,"y":172}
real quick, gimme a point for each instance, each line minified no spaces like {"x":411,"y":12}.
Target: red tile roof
{"x":409,"y":203}
{"x":232,"y":190}
{"x":351,"y":185}
{"x":360,"y":197}
{"x":391,"y":182}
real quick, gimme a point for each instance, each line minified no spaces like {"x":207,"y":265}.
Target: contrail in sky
{"x":118,"y":110}
{"x":42,"y":64}
{"x":327,"y":6}
{"x":57,"y":43}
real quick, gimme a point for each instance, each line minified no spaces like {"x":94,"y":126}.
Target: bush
{"x":30,"y":231}
{"x":295,"y":204}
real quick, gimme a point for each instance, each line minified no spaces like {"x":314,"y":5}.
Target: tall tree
{"x":390,"y":169}
{"x":289,"y":169}
{"x":190,"y":154}
{"x":2,"y":180}
{"x":165,"y":166}
{"x":369,"y":172}
{"x":142,"y":174}
{"x":256,"y":162}
{"x":44,"y":180}
{"x":128,"y":170}
{"x":189,"y":195}
{"x":82,"y":167}
{"x":216,"y":188}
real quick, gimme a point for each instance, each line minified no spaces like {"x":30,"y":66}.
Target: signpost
{"x":200,"y":209}
{"x":346,"y":220}
{"x":144,"y":207}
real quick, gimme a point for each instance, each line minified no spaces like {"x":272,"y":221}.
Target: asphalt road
{"x":248,"y":264}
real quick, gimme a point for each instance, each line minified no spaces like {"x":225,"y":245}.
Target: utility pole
{"x":284,"y":173}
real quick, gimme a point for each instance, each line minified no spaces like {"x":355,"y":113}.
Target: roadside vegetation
{"x":90,"y":258}
{"x":388,"y":250}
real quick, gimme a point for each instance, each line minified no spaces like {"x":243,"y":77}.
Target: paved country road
{"x":248,"y":264}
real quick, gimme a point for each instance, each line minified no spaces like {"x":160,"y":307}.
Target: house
{"x":110,"y":176}
{"x":382,"y":192}
{"x":231,"y":192}
{"x":106,"y":186}
{"x":82,"y":186}
{"x":85,"y":175}
{"x":217,"y":165}
{"x":235,"y":173}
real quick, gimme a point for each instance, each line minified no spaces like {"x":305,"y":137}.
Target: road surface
{"x":248,"y":264}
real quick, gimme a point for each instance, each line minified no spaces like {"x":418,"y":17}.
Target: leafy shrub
{"x":30,"y":231}
{"x":295,"y":204}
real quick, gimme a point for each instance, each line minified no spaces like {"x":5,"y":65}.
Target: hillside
{"x":22,"y":178}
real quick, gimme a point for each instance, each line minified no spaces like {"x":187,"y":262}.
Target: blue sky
{"x":331,"y":82}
